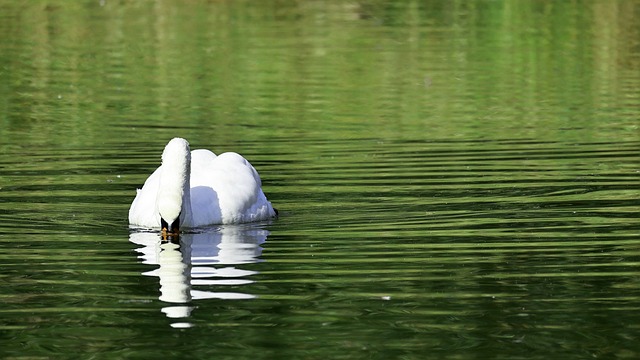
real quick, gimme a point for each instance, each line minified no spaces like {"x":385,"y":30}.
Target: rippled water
{"x":401,"y":248}
{"x":447,"y":189}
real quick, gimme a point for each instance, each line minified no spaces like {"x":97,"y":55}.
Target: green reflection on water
{"x":85,"y":73}
{"x":457,"y":179}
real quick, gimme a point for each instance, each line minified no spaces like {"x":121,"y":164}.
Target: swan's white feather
{"x":223,"y":189}
{"x":173,"y":189}
{"x":144,"y":209}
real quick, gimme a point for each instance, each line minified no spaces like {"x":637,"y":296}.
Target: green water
{"x":455,"y":179}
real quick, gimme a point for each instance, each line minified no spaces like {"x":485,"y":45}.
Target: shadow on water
{"x":190,"y":267}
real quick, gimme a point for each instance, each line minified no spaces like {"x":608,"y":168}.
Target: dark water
{"x":455,"y":180}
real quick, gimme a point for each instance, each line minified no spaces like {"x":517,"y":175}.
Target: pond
{"x":454,"y":179}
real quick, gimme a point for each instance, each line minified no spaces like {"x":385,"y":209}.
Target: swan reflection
{"x":207,"y":259}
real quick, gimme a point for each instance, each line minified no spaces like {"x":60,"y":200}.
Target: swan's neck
{"x":174,"y":198}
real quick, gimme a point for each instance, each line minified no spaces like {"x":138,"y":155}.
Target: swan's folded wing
{"x":143,"y":211}
{"x":235,"y":185}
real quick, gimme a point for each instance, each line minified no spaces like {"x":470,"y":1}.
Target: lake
{"x":455,"y":180}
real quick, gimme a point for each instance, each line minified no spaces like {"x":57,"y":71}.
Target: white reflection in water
{"x":209,"y":258}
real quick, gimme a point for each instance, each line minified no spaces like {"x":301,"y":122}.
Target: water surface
{"x":455,"y":180}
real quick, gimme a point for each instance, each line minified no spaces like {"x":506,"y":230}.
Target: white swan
{"x":197,"y":188}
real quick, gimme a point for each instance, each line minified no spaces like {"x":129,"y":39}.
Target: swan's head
{"x":174,"y":184}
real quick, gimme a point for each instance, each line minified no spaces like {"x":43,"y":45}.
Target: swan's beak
{"x":170,"y":231}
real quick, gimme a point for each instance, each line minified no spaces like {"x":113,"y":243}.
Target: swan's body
{"x":197,"y":188}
